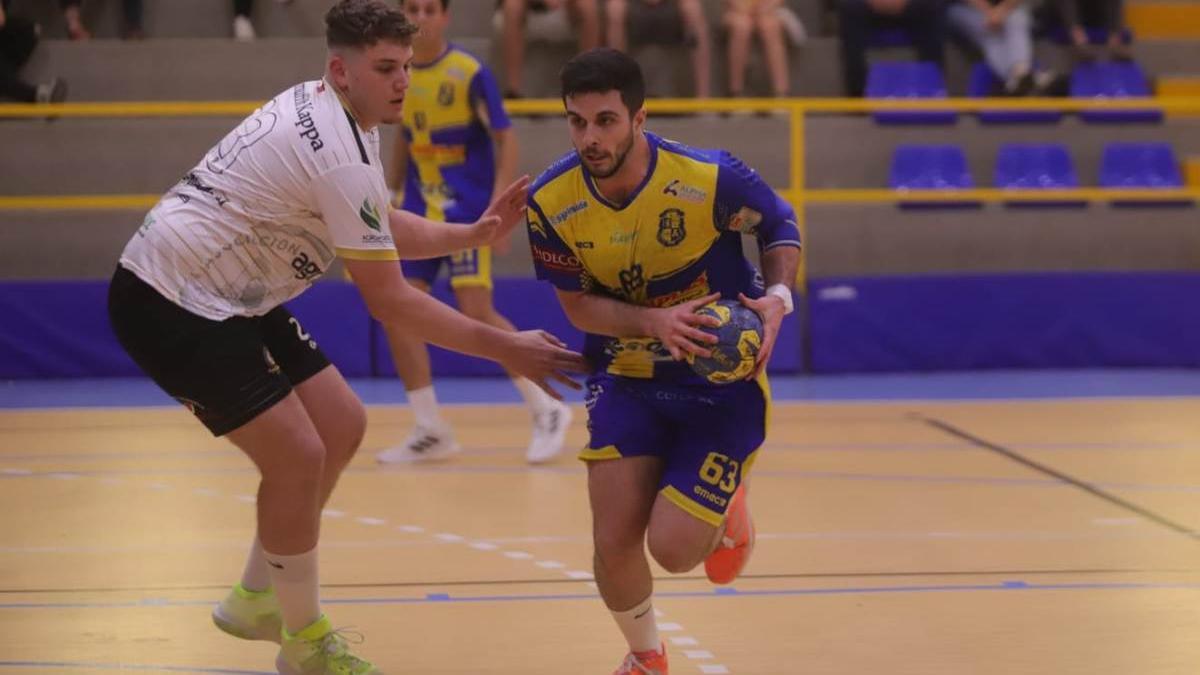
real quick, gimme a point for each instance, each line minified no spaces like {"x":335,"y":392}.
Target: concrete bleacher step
{"x":214,"y":18}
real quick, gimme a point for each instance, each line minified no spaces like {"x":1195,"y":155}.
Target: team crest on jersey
{"x":419,"y":121}
{"x":670,"y":227}
{"x":445,"y":95}
{"x":369,"y":215}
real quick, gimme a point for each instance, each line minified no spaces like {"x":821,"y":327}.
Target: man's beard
{"x":622,"y":154}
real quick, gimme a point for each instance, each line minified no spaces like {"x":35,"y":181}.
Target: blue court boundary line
{"x":718,"y":593}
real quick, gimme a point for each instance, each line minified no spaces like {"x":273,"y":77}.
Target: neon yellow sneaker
{"x":319,"y":650}
{"x":250,"y":615}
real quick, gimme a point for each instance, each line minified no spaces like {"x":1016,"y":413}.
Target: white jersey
{"x":265,"y":212}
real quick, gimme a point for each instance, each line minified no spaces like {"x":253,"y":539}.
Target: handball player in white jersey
{"x":197,"y":300}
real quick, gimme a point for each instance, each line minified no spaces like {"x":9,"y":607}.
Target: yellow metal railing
{"x":795,"y":110}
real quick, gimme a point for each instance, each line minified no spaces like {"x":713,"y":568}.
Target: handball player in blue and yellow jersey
{"x":455,"y":152}
{"x":636,"y":233}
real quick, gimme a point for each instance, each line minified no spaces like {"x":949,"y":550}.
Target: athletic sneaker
{"x":424,"y":444}
{"x":319,"y":650}
{"x":653,"y":662}
{"x":250,"y":615}
{"x":725,"y":563}
{"x":549,"y":432}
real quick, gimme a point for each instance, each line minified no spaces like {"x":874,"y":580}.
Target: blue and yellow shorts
{"x":707,"y":436}
{"x":472,"y":267}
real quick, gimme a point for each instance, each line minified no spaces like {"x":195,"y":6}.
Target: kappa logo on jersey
{"x":670,"y":227}
{"x":369,"y":215}
{"x":308,"y":128}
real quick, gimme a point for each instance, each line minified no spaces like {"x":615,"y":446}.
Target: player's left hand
{"x":507,"y":210}
{"x":771,"y":310}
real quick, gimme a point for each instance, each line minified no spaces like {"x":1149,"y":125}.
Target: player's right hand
{"x":506,"y":211}
{"x":543,"y":358}
{"x":676,"y":328}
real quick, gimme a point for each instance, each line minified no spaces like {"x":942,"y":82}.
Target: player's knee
{"x":671,"y":553}
{"x":302,"y":466}
{"x":613,"y":545}
{"x":352,"y":436}
{"x":739,"y":24}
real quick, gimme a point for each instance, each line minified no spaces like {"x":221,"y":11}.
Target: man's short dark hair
{"x":362,"y":23}
{"x":599,"y":70}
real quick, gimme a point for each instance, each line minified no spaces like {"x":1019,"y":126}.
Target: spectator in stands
{"x":131,"y":24}
{"x":243,"y":28}
{"x":1078,"y":15}
{"x":1003,"y":31}
{"x":923,"y":20}
{"x":663,"y":22}
{"x":18,"y":38}
{"x":742,"y":18}
{"x":514,"y":15}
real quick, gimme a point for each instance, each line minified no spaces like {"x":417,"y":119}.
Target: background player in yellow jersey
{"x":455,"y":151}
{"x":636,"y":232}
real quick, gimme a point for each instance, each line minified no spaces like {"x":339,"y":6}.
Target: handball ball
{"x":739,"y":338}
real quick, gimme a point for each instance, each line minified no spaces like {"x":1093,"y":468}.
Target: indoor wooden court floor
{"x":1049,"y":537}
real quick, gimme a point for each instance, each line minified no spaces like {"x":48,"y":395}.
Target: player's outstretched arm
{"x":534,"y":354}
{"x":418,"y":237}
{"x":677,"y":327}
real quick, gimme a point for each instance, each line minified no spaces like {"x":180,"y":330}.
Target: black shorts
{"x":226,"y":372}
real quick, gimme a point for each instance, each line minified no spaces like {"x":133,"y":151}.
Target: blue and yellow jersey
{"x":448,"y":109}
{"x":678,"y":237}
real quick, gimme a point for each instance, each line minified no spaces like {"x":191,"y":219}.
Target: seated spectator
{"x":742,"y":18}
{"x":923,"y":20}
{"x":663,"y":22}
{"x":18,"y":38}
{"x":514,"y":15}
{"x":1078,"y":15}
{"x":1003,"y":31}
{"x":243,"y":28}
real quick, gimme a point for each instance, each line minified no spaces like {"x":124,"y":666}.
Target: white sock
{"x":424,"y":406}
{"x":295,"y":581}
{"x":256,"y":576}
{"x":639,"y":626}
{"x":538,"y":400}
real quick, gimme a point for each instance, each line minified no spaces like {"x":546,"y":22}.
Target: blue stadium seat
{"x":984,"y":82}
{"x":931,"y":167}
{"x":1036,"y":166}
{"x":906,"y":79}
{"x":1141,"y":166}
{"x":1113,"y":80}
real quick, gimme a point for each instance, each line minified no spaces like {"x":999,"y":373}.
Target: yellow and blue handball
{"x":739,"y":337}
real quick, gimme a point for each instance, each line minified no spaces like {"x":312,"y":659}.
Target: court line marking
{"x":1043,"y":469}
{"x":723,"y":593}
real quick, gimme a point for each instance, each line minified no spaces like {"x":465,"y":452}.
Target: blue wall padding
{"x":54,"y":329}
{"x":334,"y":314}
{"x":1004,"y":321}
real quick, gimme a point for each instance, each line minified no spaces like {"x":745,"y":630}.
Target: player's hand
{"x":507,"y":210}
{"x":677,"y":328}
{"x":543,"y":359}
{"x":770,"y":309}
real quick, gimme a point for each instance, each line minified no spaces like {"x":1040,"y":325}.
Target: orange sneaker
{"x":726,"y":562}
{"x":645,"y":663}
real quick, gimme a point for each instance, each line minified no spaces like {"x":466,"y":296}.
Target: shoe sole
{"x":263,"y":633}
{"x":422,"y":459}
